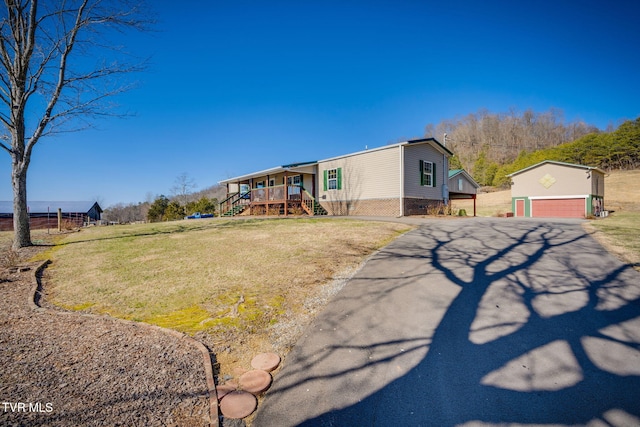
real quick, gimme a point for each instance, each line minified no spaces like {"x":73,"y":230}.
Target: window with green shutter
{"x":427,"y":173}
{"x":333,"y":179}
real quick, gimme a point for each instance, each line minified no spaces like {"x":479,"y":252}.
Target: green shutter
{"x":339,"y":173}
{"x":433,"y":173}
{"x":326,"y":180}
{"x":421,"y":172}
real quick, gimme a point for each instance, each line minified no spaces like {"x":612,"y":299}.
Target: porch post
{"x":474,"y":205}
{"x":251,"y":196}
{"x":286,"y":195}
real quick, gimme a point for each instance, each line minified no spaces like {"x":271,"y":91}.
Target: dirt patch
{"x":70,"y":369}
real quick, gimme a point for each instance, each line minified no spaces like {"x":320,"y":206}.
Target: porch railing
{"x":307,"y":202}
{"x":277,"y":194}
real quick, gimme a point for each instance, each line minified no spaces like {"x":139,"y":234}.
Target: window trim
{"x":292,"y":178}
{"x":337,"y":179}
{"x":427,"y":179}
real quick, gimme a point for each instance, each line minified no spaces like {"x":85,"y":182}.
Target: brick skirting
{"x":380,"y":207}
{"x":421,"y":206}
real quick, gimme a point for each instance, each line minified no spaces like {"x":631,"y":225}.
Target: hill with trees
{"x":182,"y":202}
{"x":492,"y":145}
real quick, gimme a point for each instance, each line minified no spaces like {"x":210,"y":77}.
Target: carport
{"x":462,"y":186}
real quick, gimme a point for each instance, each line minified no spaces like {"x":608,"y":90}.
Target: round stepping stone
{"x":224,"y":389}
{"x":238,"y":404}
{"x":266,"y":361}
{"x":255,"y":381}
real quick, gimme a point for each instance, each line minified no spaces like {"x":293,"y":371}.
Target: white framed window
{"x":332,"y":179}
{"x":459,"y":184}
{"x":427,"y":173}
{"x":293,"y":180}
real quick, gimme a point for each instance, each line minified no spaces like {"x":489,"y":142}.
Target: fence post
{"x":59,"y":219}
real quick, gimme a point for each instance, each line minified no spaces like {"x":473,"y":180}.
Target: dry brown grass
{"x":240,"y":286}
{"x":622,"y":191}
{"x":493,"y":203}
{"x":619,"y":233}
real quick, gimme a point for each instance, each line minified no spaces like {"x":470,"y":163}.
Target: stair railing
{"x":233,"y":201}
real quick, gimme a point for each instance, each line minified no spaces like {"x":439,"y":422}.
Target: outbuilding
{"x":558,"y":190}
{"x":45,"y":214}
{"x":462,"y":186}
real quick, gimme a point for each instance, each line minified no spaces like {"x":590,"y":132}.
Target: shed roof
{"x":455,"y":172}
{"x":52,"y":206}
{"x":571,"y":165}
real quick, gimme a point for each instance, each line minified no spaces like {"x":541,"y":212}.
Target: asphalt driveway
{"x":477,"y":321}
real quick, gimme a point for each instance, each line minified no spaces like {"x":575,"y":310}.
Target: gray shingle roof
{"x":44,"y":207}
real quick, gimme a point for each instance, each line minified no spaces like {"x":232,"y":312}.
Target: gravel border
{"x":65,"y":368}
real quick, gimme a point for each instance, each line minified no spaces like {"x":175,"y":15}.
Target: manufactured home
{"x":394,"y":180}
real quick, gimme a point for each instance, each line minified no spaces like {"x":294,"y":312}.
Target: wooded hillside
{"x":491,"y":145}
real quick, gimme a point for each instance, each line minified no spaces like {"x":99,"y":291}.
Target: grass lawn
{"x":620,"y":234}
{"x":230,"y":282}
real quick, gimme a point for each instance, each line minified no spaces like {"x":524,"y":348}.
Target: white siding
{"x":366,"y":175}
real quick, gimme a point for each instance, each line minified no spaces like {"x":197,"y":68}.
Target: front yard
{"x":240,"y":286}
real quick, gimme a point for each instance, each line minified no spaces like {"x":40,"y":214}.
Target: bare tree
{"x":500,"y":137}
{"x":182,"y":188}
{"x":49,"y":80}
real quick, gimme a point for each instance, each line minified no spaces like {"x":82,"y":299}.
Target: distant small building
{"x":45,"y":214}
{"x":462,"y":186}
{"x":557,"y":189}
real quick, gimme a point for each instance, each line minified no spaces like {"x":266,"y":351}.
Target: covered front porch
{"x":285,"y":190}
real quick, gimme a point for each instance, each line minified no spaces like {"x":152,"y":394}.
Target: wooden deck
{"x":276,"y":200}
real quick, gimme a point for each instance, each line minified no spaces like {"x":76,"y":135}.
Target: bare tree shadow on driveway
{"x":472,"y":322}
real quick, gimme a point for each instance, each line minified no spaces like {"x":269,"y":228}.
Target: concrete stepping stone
{"x":224,"y":389}
{"x":238,"y":404}
{"x":265,"y":362}
{"x":255,"y":381}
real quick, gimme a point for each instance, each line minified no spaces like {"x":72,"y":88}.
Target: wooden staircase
{"x":236,"y":210}
{"x":238,"y":202}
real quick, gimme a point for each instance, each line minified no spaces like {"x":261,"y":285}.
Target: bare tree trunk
{"x":37,"y":39}
{"x":22,"y":230}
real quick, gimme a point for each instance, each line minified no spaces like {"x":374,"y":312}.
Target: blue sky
{"x":239,"y":86}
